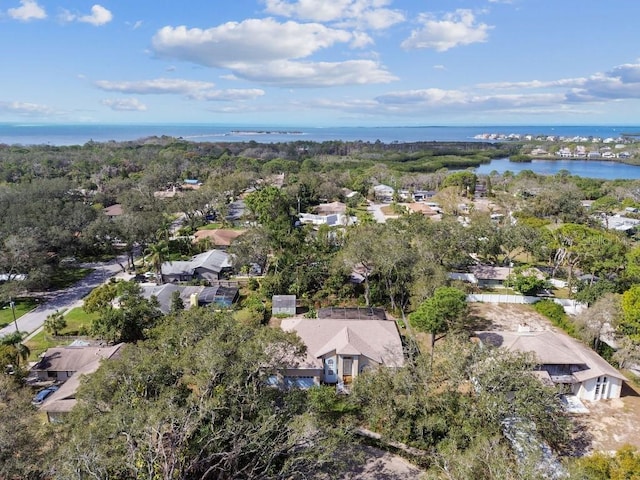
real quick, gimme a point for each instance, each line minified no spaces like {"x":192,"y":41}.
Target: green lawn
{"x":66,"y":277}
{"x":78,"y":323}
{"x":22,"y":306}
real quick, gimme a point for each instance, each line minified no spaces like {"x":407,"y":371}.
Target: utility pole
{"x":12,"y":304}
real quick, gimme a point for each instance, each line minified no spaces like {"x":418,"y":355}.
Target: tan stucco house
{"x":341,"y":346}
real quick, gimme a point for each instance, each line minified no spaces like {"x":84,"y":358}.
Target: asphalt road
{"x":66,"y":298}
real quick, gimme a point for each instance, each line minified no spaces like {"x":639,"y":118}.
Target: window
{"x":601,"y":388}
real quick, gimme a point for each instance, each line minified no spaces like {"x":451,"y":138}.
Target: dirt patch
{"x":610,"y":424}
{"x":507,"y":317}
{"x":614,"y":423}
{"x":381,"y":465}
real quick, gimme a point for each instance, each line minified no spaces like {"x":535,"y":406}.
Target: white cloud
{"x":134,"y":25}
{"x":195,"y":90}
{"x":565,"y":82}
{"x":366,"y":14}
{"x":25,"y":108}
{"x":264,"y":50}
{"x":156,"y":86}
{"x":439,"y":67}
{"x":28,"y":10}
{"x":253,"y":40}
{"x":453,"y":30}
{"x":315,"y":74}
{"x":99,"y":16}
{"x":230,"y":95}
{"x":621,"y":82}
{"x":125,"y":105}
{"x":435,"y":99}
{"x":360,"y":40}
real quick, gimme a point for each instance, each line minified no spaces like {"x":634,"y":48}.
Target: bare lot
{"x":507,"y":317}
{"x":609,"y":424}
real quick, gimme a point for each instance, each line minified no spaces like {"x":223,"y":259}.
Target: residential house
{"x":621,"y":224}
{"x":539,"y":152}
{"x":192,"y":296}
{"x":113,"y":211}
{"x":210,"y":265}
{"x":60,"y":363}
{"x":333,"y":208}
{"x":563,"y":361}
{"x":62,"y":401}
{"x":581,"y":152}
{"x":341,"y":344}
{"x":332,"y":220}
{"x":565,"y":152}
{"x":220,"y":237}
{"x":419,"y":207}
{"x":421,"y":195}
{"x":487,"y":276}
{"x":383,"y":193}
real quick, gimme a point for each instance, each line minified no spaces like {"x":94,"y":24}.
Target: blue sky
{"x":321,"y":62}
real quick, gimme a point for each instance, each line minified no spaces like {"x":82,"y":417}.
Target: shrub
{"x":554,"y":312}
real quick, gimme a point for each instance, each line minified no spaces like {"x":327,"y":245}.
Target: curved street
{"x":66,"y":298}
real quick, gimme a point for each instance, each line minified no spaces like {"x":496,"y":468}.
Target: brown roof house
{"x":332,"y":208}
{"x":339,"y":348}
{"x":60,"y":363}
{"x":69,"y":364}
{"x":219,"y":237}
{"x":488,"y":276}
{"x":563,"y":361}
{"x":113,"y":211}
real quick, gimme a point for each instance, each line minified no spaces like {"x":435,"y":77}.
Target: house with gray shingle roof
{"x":563,"y":361}
{"x":339,"y":348}
{"x":60,"y":363}
{"x":211,"y":265}
{"x":192,"y":296}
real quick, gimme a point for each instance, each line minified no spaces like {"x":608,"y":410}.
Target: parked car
{"x":43,"y":394}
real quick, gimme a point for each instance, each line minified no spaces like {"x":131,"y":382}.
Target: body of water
{"x":581,"y":168}
{"x":59,"y":135}
{"x":31,"y":134}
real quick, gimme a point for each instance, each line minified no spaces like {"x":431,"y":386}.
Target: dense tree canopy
{"x":203,"y":408}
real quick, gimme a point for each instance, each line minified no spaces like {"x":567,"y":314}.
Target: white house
{"x":563,"y":361}
{"x":383,"y":193}
{"x":332,"y":220}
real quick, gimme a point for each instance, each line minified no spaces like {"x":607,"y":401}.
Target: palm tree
{"x":13,"y":351}
{"x":157,"y":254}
{"x":55,"y":322}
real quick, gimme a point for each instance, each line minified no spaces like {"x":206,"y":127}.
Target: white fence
{"x":570,"y":306}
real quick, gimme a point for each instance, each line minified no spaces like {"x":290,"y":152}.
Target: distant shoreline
{"x":67,"y":135}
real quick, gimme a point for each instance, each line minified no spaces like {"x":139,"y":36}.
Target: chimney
{"x":193,"y":300}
